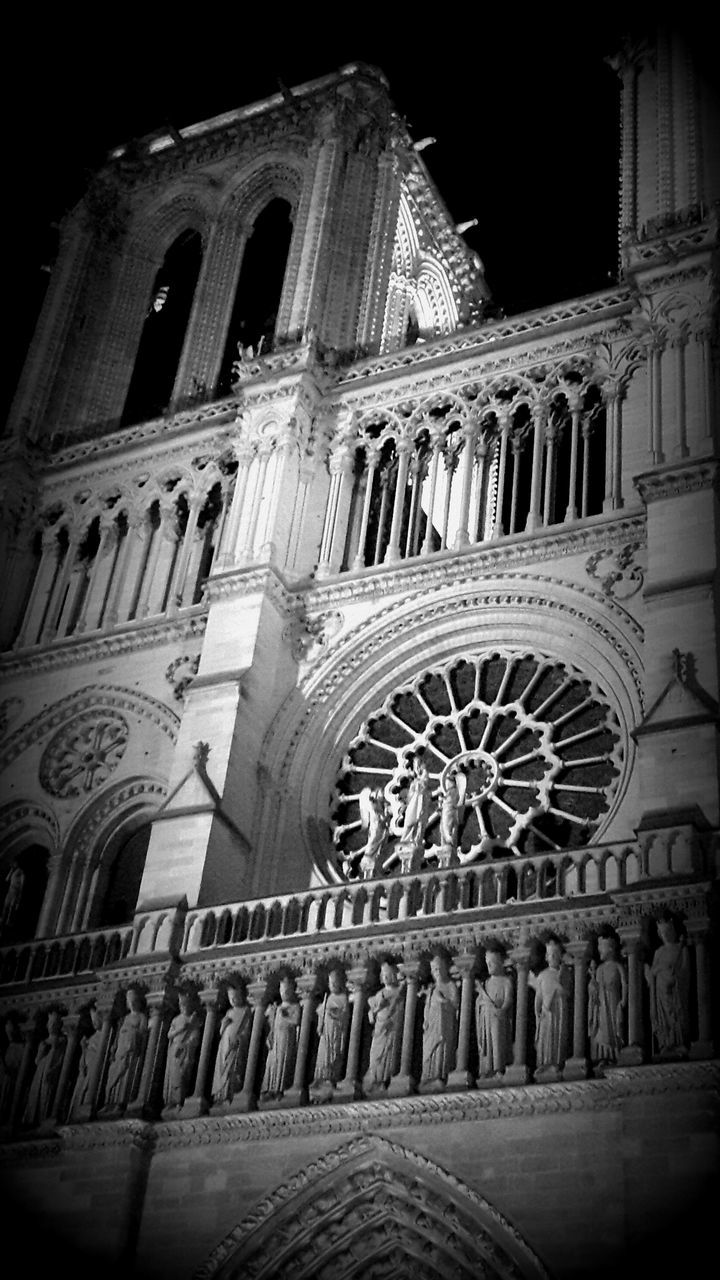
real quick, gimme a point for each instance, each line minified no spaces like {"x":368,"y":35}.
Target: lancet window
{"x":164,"y":328}
{"x":257,"y":297}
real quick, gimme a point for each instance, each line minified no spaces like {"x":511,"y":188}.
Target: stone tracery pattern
{"x":537,"y":744}
{"x":81,"y":757}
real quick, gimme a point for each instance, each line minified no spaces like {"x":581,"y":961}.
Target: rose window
{"x":84,"y":753}
{"x":531,"y":741}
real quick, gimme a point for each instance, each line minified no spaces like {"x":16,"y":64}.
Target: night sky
{"x":526,"y":117}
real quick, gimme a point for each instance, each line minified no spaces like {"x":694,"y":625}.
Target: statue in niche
{"x":607,"y":1002}
{"x":440,"y":1022}
{"x":452,"y":803}
{"x":375,"y":819}
{"x":494,"y":1016}
{"x":416,"y":816}
{"x":123,"y":1076}
{"x":668,"y":977}
{"x":552,"y":1014}
{"x":184,"y":1035}
{"x":385,"y":1013}
{"x":10,"y":1065}
{"x":15,"y":884}
{"x":48,"y":1064}
{"x":333,"y":1023}
{"x":232,"y":1051}
{"x":282,"y":1040}
{"x":90,"y":1046}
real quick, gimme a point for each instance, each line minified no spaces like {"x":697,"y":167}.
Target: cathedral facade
{"x":359,"y":716}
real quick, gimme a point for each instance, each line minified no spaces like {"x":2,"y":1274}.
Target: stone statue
{"x":375,"y":819}
{"x":15,"y":882}
{"x":552,"y":1014}
{"x":440,"y":1020}
{"x":668,"y":978}
{"x":90,"y":1046}
{"x":333,"y":1023}
{"x":10,"y":1061}
{"x":452,"y":802}
{"x":232,"y":1051}
{"x":125,"y":1068}
{"x":607,"y":1002}
{"x":416,"y":816}
{"x":494,"y":1016}
{"x":48,"y":1064}
{"x":184,"y":1035}
{"x":282,"y":1040}
{"x":385,"y":1013}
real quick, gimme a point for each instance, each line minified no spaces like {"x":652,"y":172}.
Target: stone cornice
{"x":677,"y":478}
{"x":366,"y":1117}
{"x":518,"y":550}
{"x":185,"y":424}
{"x":480,"y":339}
{"x":89,"y":649}
{"x":250,"y":580}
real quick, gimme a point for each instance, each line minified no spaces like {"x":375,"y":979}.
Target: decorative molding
{"x":676,"y":479}
{"x":132,"y":638}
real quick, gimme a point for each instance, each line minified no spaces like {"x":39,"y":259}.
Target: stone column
{"x":404,"y":1083}
{"x":533,"y":519}
{"x":577,"y":1067}
{"x":403,"y":449}
{"x":634,"y":1052}
{"x":461,"y":1078}
{"x":199,"y":1103}
{"x":71,"y":1027}
{"x":297,"y":1094}
{"x":54,"y":866}
{"x":349,"y":1088}
{"x":246,"y":1100}
{"x":518,"y":1072}
{"x":698,"y":935}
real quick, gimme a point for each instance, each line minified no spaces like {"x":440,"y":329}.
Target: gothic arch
{"x":269,"y":177}
{"x":374,"y":1208}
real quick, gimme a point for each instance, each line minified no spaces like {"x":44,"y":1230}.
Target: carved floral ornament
{"x":533,"y":745}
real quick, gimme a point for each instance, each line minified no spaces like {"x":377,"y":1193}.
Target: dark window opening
{"x":163,"y":334}
{"x":123,"y":880}
{"x":23,"y":880}
{"x":259,"y":287}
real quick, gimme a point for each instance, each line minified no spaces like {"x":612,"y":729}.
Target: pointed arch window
{"x":163,"y":334}
{"x":259,"y":288}
{"x":121,"y":874}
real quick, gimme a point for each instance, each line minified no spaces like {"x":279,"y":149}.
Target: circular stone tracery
{"x":83,"y":754}
{"x":534,"y":741}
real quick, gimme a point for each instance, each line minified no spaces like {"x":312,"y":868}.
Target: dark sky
{"x":526,"y":117}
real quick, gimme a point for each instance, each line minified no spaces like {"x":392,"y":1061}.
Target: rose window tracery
{"x":84,"y":753}
{"x":532,"y":744}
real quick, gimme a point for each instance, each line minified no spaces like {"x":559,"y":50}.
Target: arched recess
{"x":374,"y":1209}
{"x":307,"y":743}
{"x":29,"y":835}
{"x":259,"y":287}
{"x":105,"y":855}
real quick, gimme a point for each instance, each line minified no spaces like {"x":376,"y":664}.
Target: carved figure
{"x":232,"y":1052}
{"x":10,"y":1066}
{"x":607,"y":1002}
{"x":418,"y":806}
{"x":184,"y":1034}
{"x":375,"y":819}
{"x":333,"y":1021}
{"x":494,"y":1016}
{"x":90,"y":1046}
{"x":439,"y":1024}
{"x":385,"y":1013}
{"x":126,"y":1065}
{"x":15,"y":882}
{"x":551,"y":1011}
{"x":282,"y":1038}
{"x":668,"y":978}
{"x":452,"y":802}
{"x":48,"y":1064}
